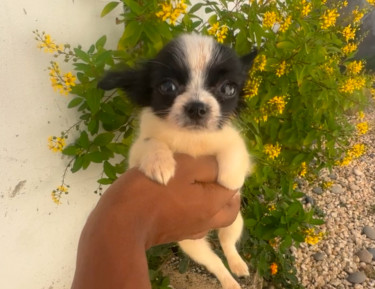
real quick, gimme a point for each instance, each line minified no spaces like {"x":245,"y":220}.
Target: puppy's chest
{"x":193,"y":143}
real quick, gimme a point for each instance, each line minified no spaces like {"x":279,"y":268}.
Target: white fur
{"x":153,"y":153}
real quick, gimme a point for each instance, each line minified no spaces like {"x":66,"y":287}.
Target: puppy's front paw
{"x":159,"y":166}
{"x":230,"y":180}
{"x":238,"y":266}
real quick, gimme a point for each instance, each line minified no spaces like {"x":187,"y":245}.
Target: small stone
{"x":337,"y":189}
{"x":372,"y":251}
{"x":369,"y":232}
{"x":317,"y":190}
{"x":309,"y":200}
{"x":318,"y":256}
{"x":357,"y":172}
{"x":332,"y":176}
{"x":357,"y":277}
{"x":364,"y":256}
{"x":354,"y":187}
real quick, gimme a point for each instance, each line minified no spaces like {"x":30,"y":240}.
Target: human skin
{"x":136,"y":213}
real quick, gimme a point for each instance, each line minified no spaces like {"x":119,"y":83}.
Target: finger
{"x":216,"y":197}
{"x":201,"y":169}
{"x":227,"y":215}
{"x":198,"y":235}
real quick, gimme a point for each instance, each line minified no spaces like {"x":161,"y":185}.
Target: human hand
{"x":136,"y":213}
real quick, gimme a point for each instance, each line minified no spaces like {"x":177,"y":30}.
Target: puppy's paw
{"x":238,"y":266}
{"x":158,"y":166}
{"x":230,"y":283}
{"x":230,"y":180}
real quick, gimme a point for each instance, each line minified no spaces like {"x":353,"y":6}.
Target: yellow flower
{"x":214,"y":28}
{"x":362,"y":127}
{"x":361,"y":115}
{"x":47,"y":43}
{"x":260,"y":63}
{"x":285,"y":25}
{"x":306,"y":8}
{"x":69,"y":79}
{"x":269,"y":19}
{"x":372,"y":2}
{"x":272,"y":151}
{"x":303,"y":170}
{"x":277,"y":104}
{"x":354,"y":67}
{"x":311,"y":237}
{"x":349,"y":33}
{"x":329,"y":18}
{"x":57,"y":193}
{"x":56,"y":144}
{"x":357,"y":150}
{"x":171,"y":10}
{"x":372,"y":91}
{"x":358,"y":15}
{"x":219,"y":32}
{"x":61,"y":83}
{"x":252,"y":86}
{"x":327,"y":185}
{"x":272,"y":208}
{"x":273,"y":268}
{"x":281,"y":70}
{"x":352,"y":83}
{"x":222,"y":34}
{"x":349,"y":48}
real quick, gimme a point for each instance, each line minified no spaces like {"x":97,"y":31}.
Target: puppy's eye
{"x":228,"y":89}
{"x":168,"y":87}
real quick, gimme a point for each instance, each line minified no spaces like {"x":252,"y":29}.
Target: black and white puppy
{"x":188,"y":93}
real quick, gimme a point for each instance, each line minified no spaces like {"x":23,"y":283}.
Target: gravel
{"x":345,"y":257}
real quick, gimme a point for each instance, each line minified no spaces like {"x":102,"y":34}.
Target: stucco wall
{"x":38,"y":239}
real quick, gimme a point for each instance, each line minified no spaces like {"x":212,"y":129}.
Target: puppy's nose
{"x":196,"y":110}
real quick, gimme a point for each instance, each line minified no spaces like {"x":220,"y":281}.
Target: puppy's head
{"x":194,"y":82}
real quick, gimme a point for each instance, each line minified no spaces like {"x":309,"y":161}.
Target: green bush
{"x":298,"y":94}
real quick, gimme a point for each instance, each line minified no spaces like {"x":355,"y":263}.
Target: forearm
{"x":111,"y":253}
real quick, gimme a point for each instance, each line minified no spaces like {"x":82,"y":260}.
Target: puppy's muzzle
{"x":196,"y":111}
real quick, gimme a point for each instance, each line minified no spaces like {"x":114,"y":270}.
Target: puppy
{"x":189,"y":93}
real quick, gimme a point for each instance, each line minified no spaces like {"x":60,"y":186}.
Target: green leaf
{"x":101,"y":42}
{"x":71,"y":150}
{"x":105,"y":181}
{"x":316,"y":222}
{"x":131,"y":35}
{"x":134,"y":6}
{"x":83,"y":140}
{"x":93,"y":100}
{"x":108,"y":8}
{"x":75,"y":102}
{"x":103,"y":58}
{"x":109,"y":170}
{"x":77,"y":165}
{"x":82,"y":55}
{"x":93,"y":126}
{"x":118,"y":148}
{"x":195,"y":8}
{"x":104,"y":138}
{"x":184,"y":264}
{"x":250,"y":223}
{"x":96,"y":157}
{"x":151,"y":32}
{"x":293,"y":209}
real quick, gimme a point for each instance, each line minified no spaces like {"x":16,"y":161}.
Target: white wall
{"x":38,"y":239}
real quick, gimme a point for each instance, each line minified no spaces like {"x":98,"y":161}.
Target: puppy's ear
{"x":134,"y":82}
{"x":248,"y":59}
